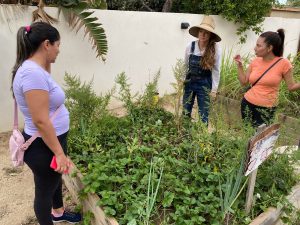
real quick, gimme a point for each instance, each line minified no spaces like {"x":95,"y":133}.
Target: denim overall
{"x":198,"y":83}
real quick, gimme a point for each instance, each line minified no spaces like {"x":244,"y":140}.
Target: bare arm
{"x":243,"y":76}
{"x":290,"y":82}
{"x":38,"y":104}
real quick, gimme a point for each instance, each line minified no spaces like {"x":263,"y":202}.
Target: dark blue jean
{"x":199,"y":88}
{"x":257,"y":115}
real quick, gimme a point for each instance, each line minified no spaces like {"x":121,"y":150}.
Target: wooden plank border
{"x":89,"y":203}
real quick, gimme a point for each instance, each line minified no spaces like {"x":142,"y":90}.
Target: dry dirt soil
{"x":16,"y":190}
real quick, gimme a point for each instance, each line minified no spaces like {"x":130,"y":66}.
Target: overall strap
{"x":193,"y":47}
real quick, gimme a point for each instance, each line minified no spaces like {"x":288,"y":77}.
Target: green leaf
{"x":132,"y":222}
{"x":168,"y":199}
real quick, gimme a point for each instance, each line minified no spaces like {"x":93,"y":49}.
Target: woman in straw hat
{"x":203,"y":58}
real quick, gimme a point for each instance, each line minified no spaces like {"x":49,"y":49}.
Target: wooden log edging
{"x":89,"y":203}
{"x":272,"y":216}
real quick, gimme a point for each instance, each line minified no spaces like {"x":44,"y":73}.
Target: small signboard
{"x":261,"y":146}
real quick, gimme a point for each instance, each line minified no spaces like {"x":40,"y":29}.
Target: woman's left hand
{"x":213,"y":95}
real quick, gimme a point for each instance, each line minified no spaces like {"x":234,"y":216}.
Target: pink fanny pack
{"x":17,"y":144}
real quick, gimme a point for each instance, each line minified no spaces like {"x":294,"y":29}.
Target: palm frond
{"x":82,"y":18}
{"x":9,"y":12}
{"x":78,"y":16}
{"x":40,"y":15}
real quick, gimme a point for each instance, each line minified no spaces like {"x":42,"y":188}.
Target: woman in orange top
{"x":259,"y":102}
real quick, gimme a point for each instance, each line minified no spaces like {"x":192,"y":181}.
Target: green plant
{"x":232,"y":191}
{"x":293,"y":3}
{"x":124,"y":92}
{"x":152,"y":191}
{"x":147,"y":99}
{"x":87,"y":218}
{"x":289,"y":101}
{"x":85,"y":104}
{"x":229,"y":83}
{"x":122,"y":160}
{"x":179,"y":71}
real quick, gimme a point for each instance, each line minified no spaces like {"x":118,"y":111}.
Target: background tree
{"x":247,"y":14}
{"x":136,"y":5}
{"x":293,"y":3}
{"x":141,"y":5}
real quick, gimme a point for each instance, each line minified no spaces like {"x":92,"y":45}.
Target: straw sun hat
{"x":208,"y":24}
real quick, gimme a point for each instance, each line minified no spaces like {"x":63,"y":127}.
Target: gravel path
{"x":16,"y":190}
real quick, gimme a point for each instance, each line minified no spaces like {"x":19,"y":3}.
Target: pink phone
{"x":53,"y":165}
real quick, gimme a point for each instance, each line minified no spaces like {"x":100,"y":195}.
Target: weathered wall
{"x":286,"y":12}
{"x":139,"y":43}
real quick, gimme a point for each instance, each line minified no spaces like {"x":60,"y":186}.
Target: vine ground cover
{"x":153,"y":167}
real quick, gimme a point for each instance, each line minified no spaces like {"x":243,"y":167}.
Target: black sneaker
{"x":69,"y":217}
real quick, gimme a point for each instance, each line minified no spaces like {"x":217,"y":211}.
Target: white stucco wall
{"x":139,"y":43}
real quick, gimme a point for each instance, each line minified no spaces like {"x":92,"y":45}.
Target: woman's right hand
{"x":63,"y":163}
{"x":238,"y":60}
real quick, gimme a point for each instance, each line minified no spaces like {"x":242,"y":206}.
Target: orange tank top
{"x":265,"y":91}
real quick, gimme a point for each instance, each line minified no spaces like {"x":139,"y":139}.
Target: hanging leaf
{"x":40,"y":14}
{"x":93,"y":29}
{"x":78,"y":16}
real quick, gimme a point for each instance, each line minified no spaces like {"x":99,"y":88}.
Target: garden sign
{"x":261,"y":146}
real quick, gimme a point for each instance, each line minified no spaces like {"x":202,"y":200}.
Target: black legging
{"x":256,"y":115}
{"x":48,"y":183}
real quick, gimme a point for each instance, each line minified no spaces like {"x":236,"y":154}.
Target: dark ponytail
{"x":276,"y":39}
{"x":29,"y":39}
{"x":23,"y":50}
{"x":282,"y":37}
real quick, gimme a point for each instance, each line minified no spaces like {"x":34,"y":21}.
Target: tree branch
{"x":146,"y":6}
{"x":167,"y":6}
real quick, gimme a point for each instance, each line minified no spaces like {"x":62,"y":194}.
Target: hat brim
{"x":194,"y":31}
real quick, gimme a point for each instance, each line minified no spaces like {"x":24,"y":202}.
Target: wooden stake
{"x":252,"y":180}
{"x":250,"y":191}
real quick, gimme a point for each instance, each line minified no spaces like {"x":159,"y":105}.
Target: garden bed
{"x":90,"y":203}
{"x":152,"y":167}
